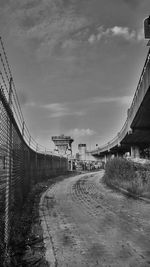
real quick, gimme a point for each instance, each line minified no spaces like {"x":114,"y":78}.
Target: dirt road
{"x":87,"y":224}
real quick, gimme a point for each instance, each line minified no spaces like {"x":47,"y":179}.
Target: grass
{"x":134,"y":177}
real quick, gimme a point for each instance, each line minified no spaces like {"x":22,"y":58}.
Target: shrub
{"x":120,"y":169}
{"x":134,"y":177}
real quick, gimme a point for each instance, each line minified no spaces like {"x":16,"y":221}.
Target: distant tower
{"x":63,"y":144}
{"x":82,"y":151}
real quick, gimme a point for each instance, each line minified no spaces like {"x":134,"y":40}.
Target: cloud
{"x":62,"y":109}
{"x":124,"y":32}
{"x":76,"y":133}
{"x":48,"y":28}
{"x":125,"y":100}
{"x":114,"y":32}
{"x":43,"y":25}
{"x":140,"y":35}
{"x":92,"y":38}
{"x":57,"y":110}
{"x":81,"y":107}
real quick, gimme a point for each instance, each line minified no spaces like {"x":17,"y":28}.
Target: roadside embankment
{"x":130,"y":176}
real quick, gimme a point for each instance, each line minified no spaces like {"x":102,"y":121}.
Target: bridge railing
{"x":23,"y":162}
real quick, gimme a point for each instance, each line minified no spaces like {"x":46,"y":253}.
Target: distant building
{"x":85,"y":160}
{"x":63,"y":144}
{"x":84,"y":154}
{"x":82,"y":151}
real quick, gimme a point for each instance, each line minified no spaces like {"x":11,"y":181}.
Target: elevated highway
{"x":135,"y":133}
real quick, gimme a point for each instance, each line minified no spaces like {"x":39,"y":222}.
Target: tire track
{"x":85,"y":193}
{"x":109,"y":237}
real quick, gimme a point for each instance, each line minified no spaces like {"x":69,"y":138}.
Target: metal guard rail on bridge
{"x":143,"y":85}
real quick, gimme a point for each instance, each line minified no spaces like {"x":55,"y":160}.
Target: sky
{"x":75,"y":64}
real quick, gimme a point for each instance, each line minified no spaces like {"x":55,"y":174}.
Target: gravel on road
{"x":85,"y":223}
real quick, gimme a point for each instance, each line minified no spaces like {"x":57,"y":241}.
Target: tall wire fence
{"x":23,"y":162}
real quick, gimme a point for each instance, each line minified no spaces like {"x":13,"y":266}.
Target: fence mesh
{"x":20,"y":164}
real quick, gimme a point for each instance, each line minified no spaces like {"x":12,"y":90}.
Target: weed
{"x":134,"y":177}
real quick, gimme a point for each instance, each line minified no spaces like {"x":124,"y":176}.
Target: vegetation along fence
{"x":23,"y":162}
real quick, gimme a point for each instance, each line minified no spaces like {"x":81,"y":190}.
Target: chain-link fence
{"x":22,"y":162}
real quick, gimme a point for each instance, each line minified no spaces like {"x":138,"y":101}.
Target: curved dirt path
{"x":87,"y":224}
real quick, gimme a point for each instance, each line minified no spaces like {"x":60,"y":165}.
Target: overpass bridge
{"x":135,"y":133}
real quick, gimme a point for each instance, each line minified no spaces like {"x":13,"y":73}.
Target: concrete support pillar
{"x":135,"y":152}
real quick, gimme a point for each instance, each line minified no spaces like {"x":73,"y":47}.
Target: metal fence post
{"x":8,"y":180}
